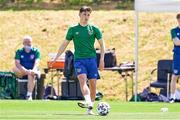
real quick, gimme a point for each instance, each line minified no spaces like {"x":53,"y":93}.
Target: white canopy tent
{"x":150,"y":6}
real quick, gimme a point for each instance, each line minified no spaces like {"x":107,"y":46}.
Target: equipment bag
{"x":110,"y":59}
{"x":69,"y":71}
{"x":8,"y":85}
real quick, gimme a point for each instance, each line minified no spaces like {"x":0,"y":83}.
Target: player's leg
{"x":92,"y":87}
{"x":176,"y":73}
{"x":92,"y":71}
{"x":18,"y":72}
{"x":81,"y":73}
{"x":85,"y":91}
{"x":31,"y":81}
{"x":30,"y":86}
{"x":173,"y":88}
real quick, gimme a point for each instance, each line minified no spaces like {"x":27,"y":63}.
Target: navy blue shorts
{"x":87,"y":66}
{"x":176,"y":64}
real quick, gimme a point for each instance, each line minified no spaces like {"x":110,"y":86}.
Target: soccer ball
{"x":103,"y":108}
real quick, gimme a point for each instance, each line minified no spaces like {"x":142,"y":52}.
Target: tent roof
{"x":157,"y":5}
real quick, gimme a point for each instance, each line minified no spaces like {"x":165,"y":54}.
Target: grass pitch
{"x":68,"y":110}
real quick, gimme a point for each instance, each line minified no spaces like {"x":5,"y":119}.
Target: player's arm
{"x":102,"y":48}
{"x":36,"y":64}
{"x":37,"y":60}
{"x":98,"y":35}
{"x":18,"y":64}
{"x":176,"y":41}
{"x":69,"y":37}
{"x":20,"y":67}
{"x":174,"y":37}
{"x":61,"y":49}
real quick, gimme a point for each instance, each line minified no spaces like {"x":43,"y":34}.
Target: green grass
{"x":68,"y":110}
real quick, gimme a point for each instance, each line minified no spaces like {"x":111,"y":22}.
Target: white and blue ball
{"x":103,"y":108}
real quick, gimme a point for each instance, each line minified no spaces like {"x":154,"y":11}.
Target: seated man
{"x":26,"y":62}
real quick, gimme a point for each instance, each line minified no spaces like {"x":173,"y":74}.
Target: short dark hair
{"x":85,"y":9}
{"x":178,"y":16}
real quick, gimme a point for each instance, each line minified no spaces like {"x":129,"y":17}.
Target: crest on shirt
{"x":22,"y":56}
{"x":90,"y":30}
{"x":95,"y":75}
{"x":79,"y":70}
{"x":77,"y":33}
{"x":178,"y":34}
{"x":32,"y":56}
{"x":175,"y":71}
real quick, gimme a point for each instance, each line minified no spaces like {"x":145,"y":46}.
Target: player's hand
{"x":34,"y":71}
{"x":101,"y":65}
{"x":28,"y":72}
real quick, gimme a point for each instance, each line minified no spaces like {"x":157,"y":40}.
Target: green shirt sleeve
{"x":98,"y":33}
{"x":173,"y":33}
{"x":37,"y":54}
{"x":17,"y":55}
{"x":69,"y":35}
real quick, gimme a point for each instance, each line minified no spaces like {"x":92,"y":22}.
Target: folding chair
{"x":164,"y":73}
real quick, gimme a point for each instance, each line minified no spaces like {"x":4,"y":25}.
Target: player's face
{"x":27,"y":42}
{"x":84,"y":16}
{"x":27,"y":45}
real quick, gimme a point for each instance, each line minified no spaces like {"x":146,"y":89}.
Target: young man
{"x":26,"y":62}
{"x":83,"y":35}
{"x":175,"y":33}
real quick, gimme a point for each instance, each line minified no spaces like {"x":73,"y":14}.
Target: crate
{"x":57,"y":65}
{"x":70,"y":90}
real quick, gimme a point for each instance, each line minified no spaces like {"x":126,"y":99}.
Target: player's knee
{"x":92,"y":82}
{"x":174,"y":77}
{"x":82,"y":77}
{"x":31,"y":77}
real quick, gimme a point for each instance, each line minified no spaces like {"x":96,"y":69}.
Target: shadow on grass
{"x":19,"y":116}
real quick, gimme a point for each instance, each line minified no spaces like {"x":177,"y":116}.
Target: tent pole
{"x":136,"y":55}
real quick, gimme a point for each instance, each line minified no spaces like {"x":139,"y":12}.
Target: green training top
{"x":84,"y":39}
{"x":27,"y":59}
